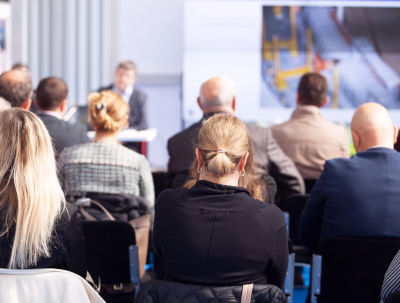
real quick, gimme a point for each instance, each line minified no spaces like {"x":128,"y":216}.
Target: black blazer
{"x":214,"y":234}
{"x":138,"y":108}
{"x":269,"y":159}
{"x":63,"y":133}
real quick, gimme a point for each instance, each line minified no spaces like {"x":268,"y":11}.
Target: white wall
{"x":150,"y":33}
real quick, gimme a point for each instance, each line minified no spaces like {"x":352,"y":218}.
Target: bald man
{"x":16,"y":88}
{"x":217,"y":95}
{"x":360,"y":196}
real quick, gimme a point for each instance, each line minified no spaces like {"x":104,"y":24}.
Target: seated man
{"x":124,"y":85}
{"x":358,"y":197}
{"x":218,"y":95}
{"x":51,"y":101}
{"x":308,"y":138}
{"x":16,"y":89}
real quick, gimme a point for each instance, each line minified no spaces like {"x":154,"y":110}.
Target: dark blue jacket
{"x":356,"y":197}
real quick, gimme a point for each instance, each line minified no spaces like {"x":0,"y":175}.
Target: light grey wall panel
{"x":64,"y":38}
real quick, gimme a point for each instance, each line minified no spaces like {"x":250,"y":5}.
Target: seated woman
{"x":104,"y":166}
{"x":36,"y":227}
{"x":215,"y":232}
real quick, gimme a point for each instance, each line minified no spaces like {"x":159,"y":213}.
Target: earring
{"x":200,"y":169}
{"x":242,"y":173}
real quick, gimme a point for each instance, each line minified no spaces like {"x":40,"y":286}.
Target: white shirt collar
{"x":126,"y":95}
{"x":51,"y":113}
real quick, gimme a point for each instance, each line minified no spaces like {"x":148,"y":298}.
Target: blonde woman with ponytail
{"x":104,"y":166}
{"x":217,"y":231}
{"x":37,"y":229}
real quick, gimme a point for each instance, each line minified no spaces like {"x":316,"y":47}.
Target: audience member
{"x":104,"y":165}
{"x":358,"y":197}
{"x":51,"y":101}
{"x":124,"y":85}
{"x":216,"y":233}
{"x":218,"y":95}
{"x":37,"y":230}
{"x":308,"y":138}
{"x":25,"y":68}
{"x":16,"y":88}
{"x":391,"y":282}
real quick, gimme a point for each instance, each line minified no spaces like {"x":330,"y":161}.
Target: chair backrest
{"x":353,"y":269}
{"x":294,"y":205}
{"x":45,"y":285}
{"x":107,"y":247}
{"x":157,"y":291}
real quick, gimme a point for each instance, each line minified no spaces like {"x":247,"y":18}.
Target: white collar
{"x":51,"y":113}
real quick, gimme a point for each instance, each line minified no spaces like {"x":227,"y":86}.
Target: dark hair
{"x":50,"y":93}
{"x":312,"y":89}
{"x":15,"y":87}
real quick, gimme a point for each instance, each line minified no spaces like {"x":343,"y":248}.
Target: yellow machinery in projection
{"x":271,"y":50}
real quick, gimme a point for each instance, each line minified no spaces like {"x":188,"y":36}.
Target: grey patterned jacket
{"x":101,"y":167}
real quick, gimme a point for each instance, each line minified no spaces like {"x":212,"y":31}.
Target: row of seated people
{"x":223,"y":169}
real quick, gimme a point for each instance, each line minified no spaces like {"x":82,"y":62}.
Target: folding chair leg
{"x":315,"y":277}
{"x":289,"y":281}
{"x":134,"y":266}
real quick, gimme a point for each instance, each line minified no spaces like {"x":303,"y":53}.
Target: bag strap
{"x":86,"y":215}
{"x":89,"y":217}
{"x":108,"y":214}
{"x":247,"y":289}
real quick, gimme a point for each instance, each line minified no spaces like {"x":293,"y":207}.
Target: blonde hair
{"x":223,"y":141}
{"x":108,"y":111}
{"x":31,"y":198}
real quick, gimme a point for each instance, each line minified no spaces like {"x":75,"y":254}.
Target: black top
{"x":67,"y":246}
{"x":219,"y":235}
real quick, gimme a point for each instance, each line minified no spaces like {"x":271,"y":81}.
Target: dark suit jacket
{"x":63,"y":133}
{"x":269,"y":159}
{"x":216,"y":234}
{"x":138,"y":108}
{"x":356,"y":197}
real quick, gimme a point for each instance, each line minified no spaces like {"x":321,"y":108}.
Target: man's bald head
{"x":16,"y":88}
{"x":217,"y":95}
{"x":371,"y":126}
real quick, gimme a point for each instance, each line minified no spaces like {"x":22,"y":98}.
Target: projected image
{"x":356,"y":49}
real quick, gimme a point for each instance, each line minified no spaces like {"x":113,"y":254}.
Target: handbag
{"x":141,"y":226}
